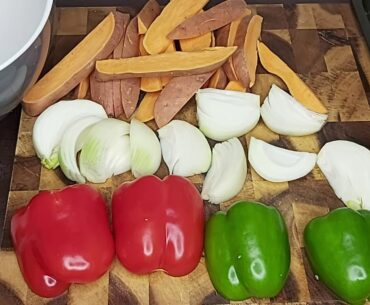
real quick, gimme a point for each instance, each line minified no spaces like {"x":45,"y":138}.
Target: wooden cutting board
{"x":323,"y":43}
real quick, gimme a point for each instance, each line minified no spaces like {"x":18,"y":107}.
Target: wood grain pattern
{"x":324,"y":45}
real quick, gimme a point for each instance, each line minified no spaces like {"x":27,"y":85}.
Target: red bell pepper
{"x":158,"y":225}
{"x":62,"y":237}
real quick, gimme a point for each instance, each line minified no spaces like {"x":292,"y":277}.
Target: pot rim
{"x":30,"y":41}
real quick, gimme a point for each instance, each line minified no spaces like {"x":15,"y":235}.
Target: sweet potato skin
{"x":37,"y":98}
{"x":146,"y":16}
{"x":210,"y":20}
{"x":101,"y":92}
{"x":240,"y":65}
{"x":175,"y":95}
{"x":167,"y":64}
{"x":130,"y":87}
{"x":116,"y":90}
{"x":226,"y":36}
{"x":108,"y":94}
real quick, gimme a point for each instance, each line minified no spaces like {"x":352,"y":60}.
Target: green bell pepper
{"x":338,"y":249}
{"x":247,"y":251}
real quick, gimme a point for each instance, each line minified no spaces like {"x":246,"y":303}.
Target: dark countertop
{"x":140,"y":3}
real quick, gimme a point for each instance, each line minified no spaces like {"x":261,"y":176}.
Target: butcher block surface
{"x":322,"y":43}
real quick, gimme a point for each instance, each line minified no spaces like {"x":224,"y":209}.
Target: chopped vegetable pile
{"x":171,"y":55}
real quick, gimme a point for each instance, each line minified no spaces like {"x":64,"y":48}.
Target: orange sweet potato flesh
{"x":75,"y":66}
{"x":297,"y":87}
{"x":250,"y":46}
{"x":218,"y":79}
{"x":173,"y":14}
{"x":145,"y":111}
{"x":82,"y":88}
{"x":235,"y":86}
{"x":197,"y":43}
{"x":166,"y":64}
{"x":130,"y":87}
{"x":171,"y":48}
{"x":148,"y":84}
{"x":146,"y":16}
{"x":210,"y":20}
{"x":175,"y":95}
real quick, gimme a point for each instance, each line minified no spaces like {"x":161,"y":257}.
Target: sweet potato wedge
{"x":75,"y":66}
{"x":297,"y":87}
{"x":108,"y":94}
{"x":116,"y":88}
{"x":130,"y":87}
{"x":239,"y":62}
{"x":175,"y":95}
{"x":218,"y":79}
{"x":174,"y":13}
{"x":82,"y":88}
{"x":250,"y":46}
{"x":148,"y":84}
{"x":166,"y":64}
{"x":171,"y":48}
{"x":241,"y":31}
{"x":197,"y":43}
{"x":226,"y":37}
{"x":101,"y":92}
{"x":241,"y":66}
{"x":145,"y":111}
{"x":213,"y":40}
{"x":235,"y":86}
{"x":210,"y":20}
{"x":229,"y":69}
{"x":233,"y":30}
{"x":146,"y":16}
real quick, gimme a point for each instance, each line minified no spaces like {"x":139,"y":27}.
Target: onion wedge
{"x":185,"y":149}
{"x":224,"y":114}
{"x":228,"y":172}
{"x":145,"y":149}
{"x":284,"y":115}
{"x":52,"y":123}
{"x":69,"y":149}
{"x":277,"y":164}
{"x":346,"y":165}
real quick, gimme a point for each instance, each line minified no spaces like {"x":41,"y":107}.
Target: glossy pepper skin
{"x":247,"y":251}
{"x":158,"y":225}
{"x":338,"y":249}
{"x":62,"y":237}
